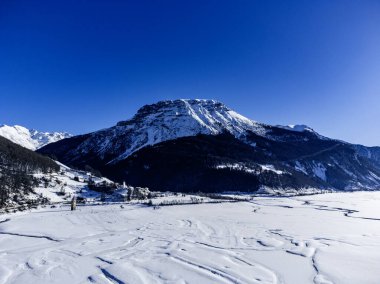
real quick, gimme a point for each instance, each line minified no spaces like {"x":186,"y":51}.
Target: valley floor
{"x":329,"y":238}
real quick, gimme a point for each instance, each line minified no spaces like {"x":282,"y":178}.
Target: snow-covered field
{"x":329,"y":238}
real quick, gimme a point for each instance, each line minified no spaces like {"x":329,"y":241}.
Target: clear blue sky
{"x":79,"y":65}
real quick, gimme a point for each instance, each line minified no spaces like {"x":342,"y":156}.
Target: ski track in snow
{"x":330,"y":238}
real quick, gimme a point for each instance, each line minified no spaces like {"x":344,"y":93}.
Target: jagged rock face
{"x":371,"y":153}
{"x":169,"y":120}
{"x":30,"y":139}
{"x":167,"y":141}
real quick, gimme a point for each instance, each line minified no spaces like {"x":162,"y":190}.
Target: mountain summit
{"x":168,"y":120}
{"x":191,"y":145}
{"x":30,"y":139}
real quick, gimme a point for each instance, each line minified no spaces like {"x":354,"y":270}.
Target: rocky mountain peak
{"x":30,"y":139}
{"x":175,"y":108}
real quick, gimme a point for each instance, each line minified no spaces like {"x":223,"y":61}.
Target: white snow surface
{"x":296,"y":127}
{"x":327,"y":238}
{"x":319,"y":170}
{"x":299,"y":167}
{"x":238,"y":167}
{"x":271,"y":168}
{"x":31,"y":139}
{"x":247,"y":169}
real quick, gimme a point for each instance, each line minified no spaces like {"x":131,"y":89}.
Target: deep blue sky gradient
{"x":79,"y":66}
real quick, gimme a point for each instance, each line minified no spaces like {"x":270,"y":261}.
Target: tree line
{"x":17,"y":166}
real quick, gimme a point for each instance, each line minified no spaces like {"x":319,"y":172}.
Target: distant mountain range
{"x":30,"y":139}
{"x":202,"y":145}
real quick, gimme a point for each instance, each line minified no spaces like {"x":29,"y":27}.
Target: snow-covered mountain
{"x":163,"y":121}
{"x":168,"y":120}
{"x":31,"y":139}
{"x":166,"y":144}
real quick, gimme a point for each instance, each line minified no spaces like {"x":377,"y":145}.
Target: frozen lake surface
{"x":329,"y":238}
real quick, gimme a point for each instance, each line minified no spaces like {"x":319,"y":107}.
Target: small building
{"x":103,"y":186}
{"x":127,"y":193}
{"x":139,"y":193}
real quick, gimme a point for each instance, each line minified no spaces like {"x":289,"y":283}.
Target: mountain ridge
{"x":30,"y":138}
{"x":305,"y":154}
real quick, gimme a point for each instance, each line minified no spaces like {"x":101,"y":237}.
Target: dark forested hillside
{"x":17,"y":164}
{"x":205,"y":163}
{"x":214,"y":163}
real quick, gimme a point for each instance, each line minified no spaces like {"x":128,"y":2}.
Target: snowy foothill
{"x":63,"y":185}
{"x":325,"y":238}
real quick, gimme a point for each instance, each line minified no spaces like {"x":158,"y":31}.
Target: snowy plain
{"x":326,"y":238}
